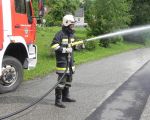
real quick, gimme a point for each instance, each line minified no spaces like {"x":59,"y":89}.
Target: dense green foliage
{"x":140,"y":11}
{"x":106,"y":16}
{"x":102,"y":16}
{"x":116,"y":13}
{"x":57,"y":9}
{"x":111,"y":15}
{"x":35,"y":6}
{"x":140,"y":16}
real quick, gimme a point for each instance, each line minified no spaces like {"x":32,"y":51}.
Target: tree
{"x":58,"y":9}
{"x":88,"y":6}
{"x":107,"y":16}
{"x":35,"y":6}
{"x":140,"y":11}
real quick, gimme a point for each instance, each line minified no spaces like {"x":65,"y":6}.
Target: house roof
{"x":79,"y":12}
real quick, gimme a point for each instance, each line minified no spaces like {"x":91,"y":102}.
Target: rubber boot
{"x":65,"y":95}
{"x":58,"y":99}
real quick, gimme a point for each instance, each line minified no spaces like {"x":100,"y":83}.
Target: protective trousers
{"x":62,"y":90}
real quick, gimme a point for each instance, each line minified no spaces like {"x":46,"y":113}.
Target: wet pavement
{"x":93,"y":84}
{"x":128,"y":101}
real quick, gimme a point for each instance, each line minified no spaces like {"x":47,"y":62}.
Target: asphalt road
{"x":128,"y":101}
{"x":94,"y":83}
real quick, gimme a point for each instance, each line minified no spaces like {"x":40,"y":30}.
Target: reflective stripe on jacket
{"x":60,"y":41}
{"x":62,"y":70}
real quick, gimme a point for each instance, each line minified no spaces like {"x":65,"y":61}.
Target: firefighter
{"x":64,"y":60}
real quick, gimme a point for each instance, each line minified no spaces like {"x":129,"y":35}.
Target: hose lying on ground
{"x":36,"y":101}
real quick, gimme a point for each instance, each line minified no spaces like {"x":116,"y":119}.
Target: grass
{"x":46,"y":64}
{"x":99,"y":53}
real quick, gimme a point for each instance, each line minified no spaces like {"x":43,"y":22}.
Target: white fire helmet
{"x":68,"y":20}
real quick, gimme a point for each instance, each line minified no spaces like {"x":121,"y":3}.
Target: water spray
{"x":113,"y":34}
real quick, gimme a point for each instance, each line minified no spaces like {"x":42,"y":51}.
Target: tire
{"x":12,"y":74}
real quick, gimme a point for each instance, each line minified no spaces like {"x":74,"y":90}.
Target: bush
{"x":116,"y":40}
{"x":104,"y":43}
{"x":91,"y":45}
{"x":110,"y":15}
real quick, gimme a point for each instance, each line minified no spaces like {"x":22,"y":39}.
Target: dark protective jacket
{"x":61,"y":40}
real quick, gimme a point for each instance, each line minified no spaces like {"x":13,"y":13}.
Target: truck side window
{"x":29,"y":12}
{"x":20,"y":6}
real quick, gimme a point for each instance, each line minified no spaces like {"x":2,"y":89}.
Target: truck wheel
{"x":12,"y":74}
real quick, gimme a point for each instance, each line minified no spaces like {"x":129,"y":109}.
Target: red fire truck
{"x":17,"y":41}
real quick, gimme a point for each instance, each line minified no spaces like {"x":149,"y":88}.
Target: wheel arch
{"x":12,"y":43}
{"x":18,"y":51}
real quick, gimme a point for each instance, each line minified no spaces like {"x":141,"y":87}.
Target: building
{"x":79,"y":17}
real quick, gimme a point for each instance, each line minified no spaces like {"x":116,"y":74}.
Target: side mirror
{"x":30,"y":20}
{"x":41,"y":21}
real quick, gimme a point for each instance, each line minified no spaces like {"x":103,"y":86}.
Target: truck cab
{"x":17,"y":41}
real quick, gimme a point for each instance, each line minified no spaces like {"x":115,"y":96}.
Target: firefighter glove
{"x":67,"y":50}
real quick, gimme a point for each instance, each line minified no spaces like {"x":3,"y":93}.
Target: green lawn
{"x":46,"y":63}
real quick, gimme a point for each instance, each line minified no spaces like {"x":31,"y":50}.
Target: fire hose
{"x":36,"y":101}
